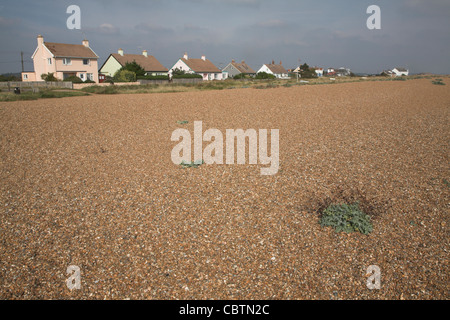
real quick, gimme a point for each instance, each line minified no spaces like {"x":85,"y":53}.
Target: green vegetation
{"x":187,"y":76}
{"x":183,"y":122}
{"x":138,"y":70}
{"x":9,"y":96}
{"x":242,"y":76}
{"x":9,"y":77}
{"x":178,"y":73}
{"x":197,"y":86}
{"x":306,"y":72}
{"x":48,"y":77}
{"x":101,"y":90}
{"x":438,"y":82}
{"x":347,"y":218}
{"x":446,"y":182}
{"x":264,"y":75}
{"x":153,"y":77}
{"x":74,"y":79}
{"x":124,"y":75}
{"x":194,"y":164}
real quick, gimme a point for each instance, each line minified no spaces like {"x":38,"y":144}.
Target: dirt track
{"x":89,"y":181}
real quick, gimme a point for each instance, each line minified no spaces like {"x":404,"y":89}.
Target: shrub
{"x":240,"y":76}
{"x":138,"y":70}
{"x":264,"y":75}
{"x":347,"y":218}
{"x":48,"y":77}
{"x":153,"y":77}
{"x":187,"y":76}
{"x":74,"y":79}
{"x":178,"y":71}
{"x":125,"y":76}
{"x":9,"y":77}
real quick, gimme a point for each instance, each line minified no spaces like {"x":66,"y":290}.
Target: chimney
{"x":186,"y":56}
{"x":120,"y":51}
{"x":85,"y":43}
{"x":145,"y":53}
{"x":233,"y":61}
{"x":204,"y":58}
{"x":243,"y":61}
{"x":281,"y":63}
{"x":40,"y":40}
{"x":273,"y":61}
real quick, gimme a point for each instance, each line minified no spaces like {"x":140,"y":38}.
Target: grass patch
{"x":101,"y":90}
{"x":45,"y":94}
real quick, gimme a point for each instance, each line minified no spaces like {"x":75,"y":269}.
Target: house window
{"x":25,"y":76}
{"x":82,"y":76}
{"x":90,"y":76}
{"x":86,"y":62}
{"x":49,"y":61}
{"x":67,"y":61}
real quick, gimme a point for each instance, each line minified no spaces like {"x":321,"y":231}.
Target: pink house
{"x":63,"y":60}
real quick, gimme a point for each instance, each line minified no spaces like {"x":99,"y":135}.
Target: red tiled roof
{"x":149,"y":63}
{"x":243,"y":67}
{"x":276,"y":68}
{"x":200,"y":65}
{"x":70,"y":50}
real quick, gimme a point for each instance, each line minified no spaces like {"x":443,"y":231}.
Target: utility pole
{"x":21,"y":59}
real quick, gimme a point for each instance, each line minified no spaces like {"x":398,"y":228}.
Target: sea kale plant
{"x":347,"y":218}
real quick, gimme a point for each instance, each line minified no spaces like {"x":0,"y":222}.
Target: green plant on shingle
{"x":194,"y":164}
{"x":183,"y":122}
{"x":347,"y":218}
{"x":438,"y":82}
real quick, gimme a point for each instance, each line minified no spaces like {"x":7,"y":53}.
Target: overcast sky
{"x":327,"y":33}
